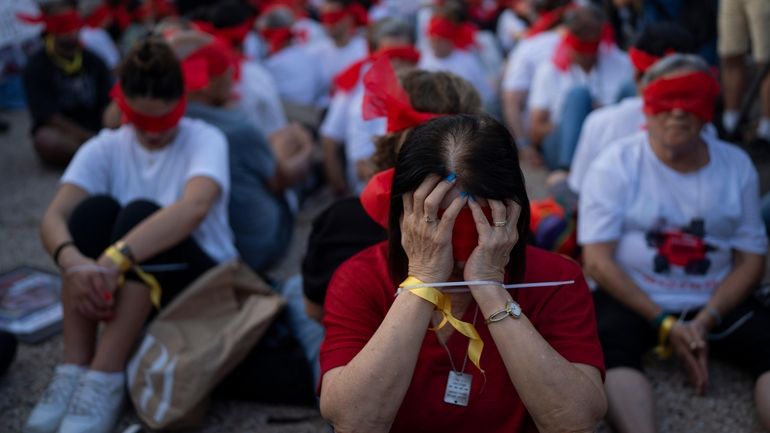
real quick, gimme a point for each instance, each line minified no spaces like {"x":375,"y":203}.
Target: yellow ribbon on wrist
{"x":443,"y":303}
{"x":664,"y":349}
{"x":124,"y":264}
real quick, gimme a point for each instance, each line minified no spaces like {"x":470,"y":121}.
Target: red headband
{"x":205,"y":63}
{"x":355,"y":10}
{"x":57,"y":24}
{"x":234,"y":35}
{"x":384,"y":97}
{"x":144,"y":122}
{"x":346,"y":80}
{"x":694,"y":93}
{"x":462,"y":35}
{"x":276,"y":38}
{"x":375,"y":199}
{"x":642,"y":60}
{"x":570,"y":43}
{"x":105,"y":13}
{"x":548,"y":20}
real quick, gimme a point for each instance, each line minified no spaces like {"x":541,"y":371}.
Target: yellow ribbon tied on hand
{"x":124,"y":264}
{"x":443,"y":303}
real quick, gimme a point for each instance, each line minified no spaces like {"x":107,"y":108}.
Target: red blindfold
{"x":643,"y":61}
{"x":57,"y":24}
{"x":694,"y":93}
{"x":375,"y":200}
{"x":354,"y":10}
{"x":205,"y":63}
{"x":233,"y":35}
{"x":462,"y":35}
{"x":277,"y":38}
{"x":384,"y":97}
{"x":144,"y":122}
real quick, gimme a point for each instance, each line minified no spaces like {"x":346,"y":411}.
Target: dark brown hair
{"x":151,"y":70}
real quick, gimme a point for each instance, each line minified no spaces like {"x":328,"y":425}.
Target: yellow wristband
{"x":121,"y":261}
{"x":443,"y":303}
{"x":664,"y":349}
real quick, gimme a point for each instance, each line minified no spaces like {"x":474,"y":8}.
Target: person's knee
{"x":49,"y":148}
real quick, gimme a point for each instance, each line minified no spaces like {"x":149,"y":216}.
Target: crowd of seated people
{"x":192,"y":132}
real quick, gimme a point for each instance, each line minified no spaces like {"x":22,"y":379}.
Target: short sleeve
{"x":585,"y":152}
{"x":89,"y":168}
{"x":333,"y":125}
{"x":209,"y":156}
{"x":603,"y":195}
{"x":750,"y":236}
{"x":540,"y":94}
{"x":353,"y":311}
{"x":567,"y":321}
{"x":516,"y":74}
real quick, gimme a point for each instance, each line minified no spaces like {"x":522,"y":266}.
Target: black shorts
{"x":626,"y":336}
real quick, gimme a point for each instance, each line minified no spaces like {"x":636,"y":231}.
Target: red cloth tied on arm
{"x":144,"y":122}
{"x":463,"y":35}
{"x":375,"y":199}
{"x":346,"y":80}
{"x":276,"y":38}
{"x":355,"y":10}
{"x":384,"y":97}
{"x":695,"y":93}
{"x":57,"y":24}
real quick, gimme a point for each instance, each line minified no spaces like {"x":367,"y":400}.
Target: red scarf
{"x":462,"y":35}
{"x":375,"y":199}
{"x":384,"y":97}
{"x":61,"y":23}
{"x":694,"y":92}
{"x":346,"y":80}
{"x":144,"y":122}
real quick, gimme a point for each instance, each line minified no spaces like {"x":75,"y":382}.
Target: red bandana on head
{"x":56,"y":24}
{"x":547,"y":20}
{"x":462,"y":35}
{"x":346,"y":80}
{"x":375,"y":199}
{"x":106,"y":13}
{"x":384,"y":97}
{"x":695,"y":93}
{"x":642,"y":60}
{"x":562,"y":57}
{"x":354,"y":10}
{"x":276,"y":38}
{"x":144,"y":122}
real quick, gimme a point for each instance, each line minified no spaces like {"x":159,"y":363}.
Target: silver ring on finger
{"x":429,"y":220}
{"x":500,"y":223}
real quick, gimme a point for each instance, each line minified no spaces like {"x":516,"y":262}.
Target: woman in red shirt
{"x":458,"y":211}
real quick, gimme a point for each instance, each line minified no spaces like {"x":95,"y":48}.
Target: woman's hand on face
{"x":688,"y":340}
{"x":427,"y":240}
{"x":496,"y":240}
{"x":85,"y":286}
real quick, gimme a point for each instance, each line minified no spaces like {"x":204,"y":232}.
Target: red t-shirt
{"x":361,"y":292}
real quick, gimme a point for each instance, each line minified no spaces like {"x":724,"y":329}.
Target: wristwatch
{"x":512,"y":309}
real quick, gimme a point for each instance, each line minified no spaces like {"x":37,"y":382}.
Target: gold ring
{"x":500,"y":223}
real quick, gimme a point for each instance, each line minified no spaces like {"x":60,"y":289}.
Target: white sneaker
{"x":49,"y":411}
{"x":97,"y":403}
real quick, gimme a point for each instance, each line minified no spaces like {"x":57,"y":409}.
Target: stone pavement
{"x":26,"y":187}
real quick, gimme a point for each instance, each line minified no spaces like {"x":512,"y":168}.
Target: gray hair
{"x":279,"y":17}
{"x":584,"y":19}
{"x":392,"y":28}
{"x":675,"y":62}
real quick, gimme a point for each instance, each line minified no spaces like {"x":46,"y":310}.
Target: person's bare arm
{"x":540,"y":126}
{"x":294,"y":158}
{"x":333,"y":167}
{"x":513,"y":110}
{"x":111,"y":116}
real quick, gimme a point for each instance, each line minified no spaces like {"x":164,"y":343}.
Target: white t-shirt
{"x":509,"y":28}
{"x":259,"y":99}
{"x":604,"y":81}
{"x":465,"y":64}
{"x":526,"y":57}
{"x":115,"y":164}
{"x":631,"y":197}
{"x":297,"y":79}
{"x":601,"y":128}
{"x":100,"y":43}
{"x":330,"y":59}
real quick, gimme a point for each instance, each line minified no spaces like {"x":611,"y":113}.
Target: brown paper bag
{"x":195,"y":341}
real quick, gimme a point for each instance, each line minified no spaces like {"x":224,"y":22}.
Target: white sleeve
{"x":585,"y":152}
{"x":602,"y":201}
{"x":362,"y":146}
{"x":750,"y":235}
{"x":540,"y":93}
{"x":334,"y":123}
{"x":90,"y":168}
{"x":209,"y":156}
{"x":516,"y":74}
{"x":269,"y":108}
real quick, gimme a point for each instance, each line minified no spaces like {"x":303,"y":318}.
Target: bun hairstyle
{"x":429,"y":92}
{"x":151,"y":70}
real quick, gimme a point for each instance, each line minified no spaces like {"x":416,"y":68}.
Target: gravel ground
{"x":26,"y":189}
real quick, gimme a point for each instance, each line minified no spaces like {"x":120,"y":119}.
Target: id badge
{"x":458,"y":388}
